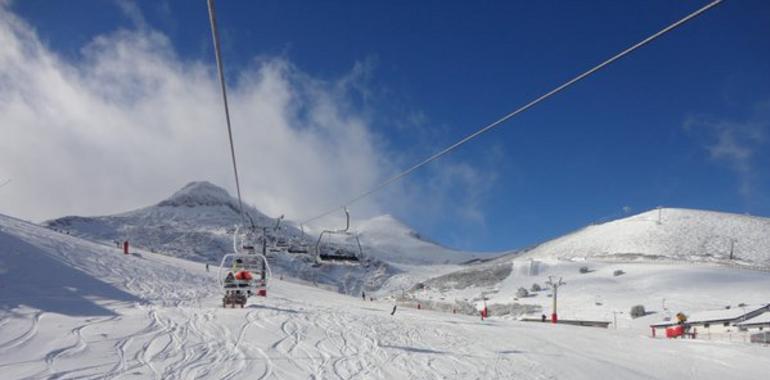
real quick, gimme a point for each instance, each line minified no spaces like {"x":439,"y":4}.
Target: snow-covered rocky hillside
{"x":71,"y":308}
{"x":197,"y":223}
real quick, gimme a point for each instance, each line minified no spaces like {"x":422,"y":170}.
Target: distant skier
{"x":542,"y":318}
{"x":207,"y":267}
{"x":363,"y":295}
{"x":394,"y":310}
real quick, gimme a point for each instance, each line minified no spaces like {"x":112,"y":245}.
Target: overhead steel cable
{"x":514,"y":113}
{"x":220,"y":69}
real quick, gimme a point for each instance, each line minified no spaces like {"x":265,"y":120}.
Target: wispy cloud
{"x":734,"y":143}
{"x":132,"y":11}
{"x":130,"y":121}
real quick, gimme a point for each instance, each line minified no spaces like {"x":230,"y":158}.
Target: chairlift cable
{"x":220,"y":69}
{"x":516,"y":112}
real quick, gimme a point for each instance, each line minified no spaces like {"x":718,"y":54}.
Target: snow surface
{"x":71,"y":308}
{"x":663,"y":289}
{"x":678,"y":264}
{"x":680,"y":234}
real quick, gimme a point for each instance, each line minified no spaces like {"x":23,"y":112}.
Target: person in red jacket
{"x":243,"y":275}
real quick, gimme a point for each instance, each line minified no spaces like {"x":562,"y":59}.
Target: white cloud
{"x":130,"y":122}
{"x":131,"y":10}
{"x":734,"y":143}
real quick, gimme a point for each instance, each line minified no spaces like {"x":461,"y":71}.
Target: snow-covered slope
{"x":683,"y":257}
{"x":56,"y":272}
{"x":679,"y":234}
{"x":196,"y":223}
{"x":390,"y":240}
{"x":70,"y":309}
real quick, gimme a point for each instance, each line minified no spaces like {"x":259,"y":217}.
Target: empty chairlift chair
{"x":327,"y":253}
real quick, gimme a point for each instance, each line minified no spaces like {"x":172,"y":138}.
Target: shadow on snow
{"x":30,"y":277}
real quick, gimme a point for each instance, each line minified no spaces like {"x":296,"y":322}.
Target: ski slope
{"x":197,"y":222}
{"x":70,"y":308}
{"x":667,"y":234}
{"x":672,"y":260}
{"x":599,"y":295}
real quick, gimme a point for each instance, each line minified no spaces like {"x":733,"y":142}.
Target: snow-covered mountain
{"x":393,"y":241}
{"x":667,"y":234}
{"x":197,"y":223}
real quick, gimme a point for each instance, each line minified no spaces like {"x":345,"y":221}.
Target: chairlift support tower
{"x":555,"y":286}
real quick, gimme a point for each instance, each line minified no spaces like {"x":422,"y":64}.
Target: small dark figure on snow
{"x":207,"y":267}
{"x":542,"y":318}
{"x":363,"y":295}
{"x":394,"y":310}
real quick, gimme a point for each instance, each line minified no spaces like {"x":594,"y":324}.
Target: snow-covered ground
{"x":663,"y":289}
{"x":668,"y":234}
{"x":672,"y":260}
{"x":70,"y":308}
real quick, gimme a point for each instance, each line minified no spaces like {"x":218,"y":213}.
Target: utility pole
{"x":555,"y":286}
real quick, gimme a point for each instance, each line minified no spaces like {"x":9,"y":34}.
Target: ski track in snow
{"x":178,"y":330}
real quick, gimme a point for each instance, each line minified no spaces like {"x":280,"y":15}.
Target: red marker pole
{"x":125,"y":247}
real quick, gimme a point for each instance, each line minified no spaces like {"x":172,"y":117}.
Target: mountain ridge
{"x":201,"y":208}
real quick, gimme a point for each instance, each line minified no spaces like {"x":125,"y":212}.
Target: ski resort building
{"x":720,"y":321}
{"x":760,"y":322}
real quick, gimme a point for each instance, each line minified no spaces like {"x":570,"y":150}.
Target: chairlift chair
{"x":338,"y":255}
{"x":243,"y":273}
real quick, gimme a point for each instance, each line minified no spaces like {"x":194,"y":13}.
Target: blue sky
{"x":684,"y":122}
